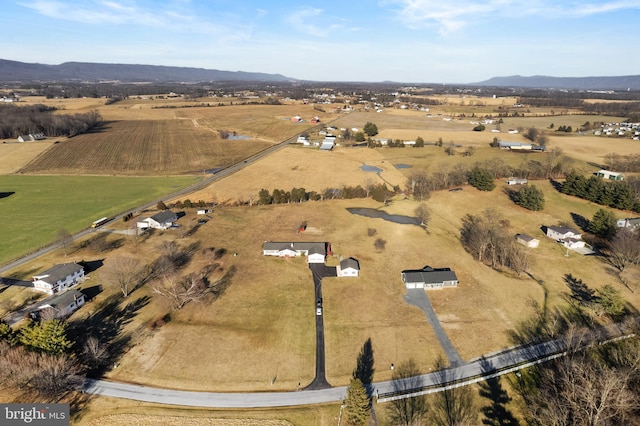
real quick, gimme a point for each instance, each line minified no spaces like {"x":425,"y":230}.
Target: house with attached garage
{"x":429,"y":278}
{"x":316,"y":252}
{"x":59,"y":278}
{"x":163,"y":220}
{"x":568,"y":237}
{"x":348,"y":267}
{"x":61,"y":306}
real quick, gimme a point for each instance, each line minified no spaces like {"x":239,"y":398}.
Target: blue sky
{"x":422,"y":41}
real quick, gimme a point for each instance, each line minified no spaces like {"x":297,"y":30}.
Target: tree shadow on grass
{"x":496,"y":413}
{"x":106,"y":325}
{"x":364,"y":368}
{"x":580,"y":221}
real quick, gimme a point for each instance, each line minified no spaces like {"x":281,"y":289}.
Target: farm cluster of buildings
{"x":630,"y":130}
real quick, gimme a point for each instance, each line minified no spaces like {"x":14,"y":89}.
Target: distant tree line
{"x":616,"y":194}
{"x":379,"y":193}
{"x":623,"y":163}
{"x":553,"y":165}
{"x":20,"y":120}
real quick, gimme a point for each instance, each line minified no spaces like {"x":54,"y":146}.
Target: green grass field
{"x":35,"y":208}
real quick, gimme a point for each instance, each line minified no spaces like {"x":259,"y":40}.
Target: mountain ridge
{"x":625,"y":82}
{"x":15,"y":71}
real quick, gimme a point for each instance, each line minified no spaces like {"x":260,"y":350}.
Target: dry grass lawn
{"x":106,"y":411}
{"x":16,"y":155}
{"x":260,"y":334}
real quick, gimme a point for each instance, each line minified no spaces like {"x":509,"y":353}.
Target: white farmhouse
{"x":163,"y":220}
{"x":58,"y":278}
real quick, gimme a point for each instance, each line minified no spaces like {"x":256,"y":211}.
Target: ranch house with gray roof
{"x":429,"y":278}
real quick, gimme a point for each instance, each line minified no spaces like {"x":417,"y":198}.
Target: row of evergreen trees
{"x":379,"y":193}
{"x":616,"y":194}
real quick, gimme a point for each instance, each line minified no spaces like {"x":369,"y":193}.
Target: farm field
{"x":266,"y":314}
{"x":143,"y":148}
{"x":35,"y":208}
{"x":259,"y":335}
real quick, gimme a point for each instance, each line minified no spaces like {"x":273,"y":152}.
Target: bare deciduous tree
{"x":580,"y":391}
{"x":419,"y":184}
{"x":624,"y":249}
{"x":45,"y":376}
{"x":423,"y":214}
{"x":125,"y":272}
{"x":64,"y":237}
{"x":94,"y":353}
{"x":455,"y":406}
{"x":407,"y":411}
{"x":180,"y":291}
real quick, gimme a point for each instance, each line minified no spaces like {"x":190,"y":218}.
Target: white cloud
{"x":301,"y":21}
{"x":305,"y":20}
{"x":108,"y":12}
{"x":448,"y":17}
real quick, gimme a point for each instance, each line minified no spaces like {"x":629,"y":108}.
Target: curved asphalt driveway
{"x":418,"y":297}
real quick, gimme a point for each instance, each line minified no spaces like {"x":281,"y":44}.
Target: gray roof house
{"x":59,"y":278}
{"x":62,"y":305}
{"x":348,"y":267}
{"x":429,"y":278}
{"x":163,"y":220}
{"x":316,"y":252}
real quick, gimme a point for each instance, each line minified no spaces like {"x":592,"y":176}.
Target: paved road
{"x":418,"y":297}
{"x":195,"y":187}
{"x":480,"y":369}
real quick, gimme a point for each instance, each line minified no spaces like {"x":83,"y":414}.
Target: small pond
{"x":366,"y":168}
{"x":238,"y":137}
{"x":380,"y":214}
{"x":402,"y":166}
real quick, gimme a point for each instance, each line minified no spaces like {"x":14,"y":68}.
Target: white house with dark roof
{"x":163,"y":220}
{"x":560,"y":233}
{"x":429,"y":278}
{"x":62,"y":305}
{"x":568,"y":237}
{"x":348,"y":267}
{"x":316,"y":252}
{"x":59,"y":278}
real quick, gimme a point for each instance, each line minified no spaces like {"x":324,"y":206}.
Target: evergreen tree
{"x":481,"y":179}
{"x":530,"y":197}
{"x":603,"y":224}
{"x":47,"y":336}
{"x":357,"y":405}
{"x":370,"y":129}
{"x":6,"y":333}
{"x":264,"y":197}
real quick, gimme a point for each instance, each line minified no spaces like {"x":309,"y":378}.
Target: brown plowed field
{"x":144,"y":147}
